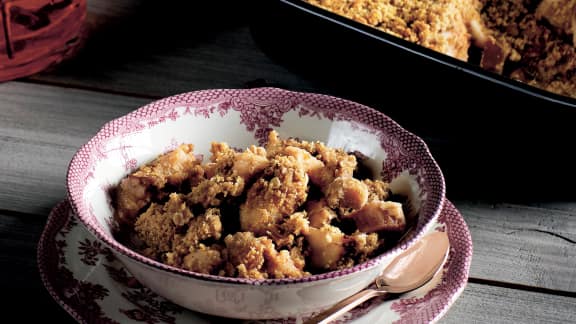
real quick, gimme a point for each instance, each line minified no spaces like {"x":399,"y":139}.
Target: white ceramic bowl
{"x":241,"y":118}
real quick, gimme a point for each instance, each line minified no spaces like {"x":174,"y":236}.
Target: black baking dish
{"x":501,"y":127}
{"x":349,"y":55}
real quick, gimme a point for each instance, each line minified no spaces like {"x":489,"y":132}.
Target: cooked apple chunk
{"x":326,"y":246}
{"x":380,"y":216}
{"x":346,"y":192}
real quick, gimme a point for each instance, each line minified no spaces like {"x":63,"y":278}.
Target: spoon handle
{"x":345,"y":305}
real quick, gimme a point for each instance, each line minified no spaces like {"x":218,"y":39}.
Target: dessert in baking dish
{"x":528,"y":40}
{"x":442,"y":25}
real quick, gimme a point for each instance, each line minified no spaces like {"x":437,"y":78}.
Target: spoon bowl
{"x":409,"y":271}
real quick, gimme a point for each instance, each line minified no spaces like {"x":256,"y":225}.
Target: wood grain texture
{"x":567,"y":206}
{"x":486,"y":304}
{"x":41,"y":127}
{"x":522,"y":244}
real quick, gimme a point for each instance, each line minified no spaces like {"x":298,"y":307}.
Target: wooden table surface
{"x":524,"y":263}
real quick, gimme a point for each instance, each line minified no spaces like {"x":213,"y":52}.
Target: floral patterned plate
{"x":85,"y":278}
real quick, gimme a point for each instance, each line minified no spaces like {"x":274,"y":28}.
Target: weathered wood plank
{"x":487,"y":304}
{"x":41,"y":127}
{"x":521,"y":244}
{"x":567,"y":206}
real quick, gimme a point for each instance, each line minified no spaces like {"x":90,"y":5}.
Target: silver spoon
{"x":410,"y":270}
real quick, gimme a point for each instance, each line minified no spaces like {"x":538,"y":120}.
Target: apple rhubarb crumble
{"x":288,"y":209}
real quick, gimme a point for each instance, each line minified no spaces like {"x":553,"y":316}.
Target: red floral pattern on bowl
{"x":241,"y":118}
